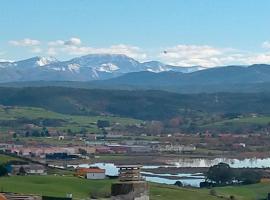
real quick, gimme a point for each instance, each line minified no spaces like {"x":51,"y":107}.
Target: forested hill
{"x":136,"y":104}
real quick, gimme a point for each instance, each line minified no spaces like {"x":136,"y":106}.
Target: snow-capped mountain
{"x":84,"y":68}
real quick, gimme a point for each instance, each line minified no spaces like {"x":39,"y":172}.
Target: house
{"x":175,"y":148}
{"x":239,"y":145}
{"x":31,"y":169}
{"x":91,"y":173}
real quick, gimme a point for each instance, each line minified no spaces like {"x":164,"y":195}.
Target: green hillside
{"x":17,"y":117}
{"x":135,"y":104}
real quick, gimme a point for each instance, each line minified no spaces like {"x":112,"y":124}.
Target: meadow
{"x":20,"y":115}
{"x":53,"y":185}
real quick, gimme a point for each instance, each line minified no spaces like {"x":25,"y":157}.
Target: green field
{"x":72,"y":122}
{"x":248,"y":192}
{"x":236,"y":123}
{"x":82,"y":188}
{"x":5,"y":158}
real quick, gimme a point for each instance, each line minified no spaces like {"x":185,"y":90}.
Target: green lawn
{"x":54,"y":185}
{"x":5,"y":158}
{"x":82,"y":188}
{"x":248,"y":192}
{"x":164,"y":192}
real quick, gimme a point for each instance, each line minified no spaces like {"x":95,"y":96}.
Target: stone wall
{"x":135,"y":190}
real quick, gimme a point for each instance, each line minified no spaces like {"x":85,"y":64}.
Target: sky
{"x":178,"y":32}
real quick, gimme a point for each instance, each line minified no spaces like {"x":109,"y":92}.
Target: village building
{"x":91,"y":173}
{"x":33,"y":169}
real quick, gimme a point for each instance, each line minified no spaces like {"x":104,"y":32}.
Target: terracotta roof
{"x":90,"y":170}
{"x":2,"y":197}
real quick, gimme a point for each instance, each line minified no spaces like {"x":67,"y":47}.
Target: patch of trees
{"x":37,"y":133}
{"x":147,"y":105}
{"x":103,"y":123}
{"x":222,"y":174}
{"x":3,"y":170}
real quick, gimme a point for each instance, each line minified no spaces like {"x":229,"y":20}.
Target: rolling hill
{"x":146,"y":105}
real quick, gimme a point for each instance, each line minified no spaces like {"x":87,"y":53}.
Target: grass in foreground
{"x":54,"y":186}
{"x":82,"y":188}
{"x":248,"y":192}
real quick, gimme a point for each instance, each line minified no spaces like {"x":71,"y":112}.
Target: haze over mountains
{"x":112,"y":71}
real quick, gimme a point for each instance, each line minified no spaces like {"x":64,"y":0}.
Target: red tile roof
{"x":90,"y":170}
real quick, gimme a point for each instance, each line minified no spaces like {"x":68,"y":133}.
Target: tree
{"x":220,"y":174}
{"x":178,"y":183}
{"x":35,"y":133}
{"x":82,"y":151}
{"x":103,"y":123}
{"x":3,"y":170}
{"x":22,"y":171}
{"x":249,"y":176}
{"x":45,"y":132}
{"x":155,"y":127}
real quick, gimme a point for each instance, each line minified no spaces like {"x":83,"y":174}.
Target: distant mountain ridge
{"x":84,"y":68}
{"x":108,"y":71}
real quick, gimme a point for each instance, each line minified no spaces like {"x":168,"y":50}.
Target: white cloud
{"x":209,"y":56}
{"x":51,"y":51}
{"x":192,"y":55}
{"x":266,"y":44}
{"x":131,"y":51}
{"x":70,"y":42}
{"x":263,"y":58}
{"x":73,"y":42}
{"x":56,"y":43}
{"x":5,"y":60}
{"x":25,"y":42}
{"x":179,"y":55}
{"x":36,"y":50}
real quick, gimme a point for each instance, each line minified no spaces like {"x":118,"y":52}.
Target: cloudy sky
{"x":179,"y":32}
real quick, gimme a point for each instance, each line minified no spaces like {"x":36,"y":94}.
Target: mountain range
{"x":113,"y":71}
{"x":85,"y":68}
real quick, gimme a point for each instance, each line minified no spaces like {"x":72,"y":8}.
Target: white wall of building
{"x":95,"y":176}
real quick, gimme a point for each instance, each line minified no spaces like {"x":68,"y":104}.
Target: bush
{"x":249,"y":176}
{"x":178,"y":183}
{"x":3,"y":170}
{"x":220,"y":174}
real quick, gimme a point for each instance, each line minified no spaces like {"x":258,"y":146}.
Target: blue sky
{"x":190,"y":32}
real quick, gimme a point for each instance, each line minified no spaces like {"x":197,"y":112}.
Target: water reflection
{"x":185,"y":178}
{"x":235,"y":163}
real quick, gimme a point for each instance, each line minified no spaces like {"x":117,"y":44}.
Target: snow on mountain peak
{"x":108,"y":67}
{"x":45,"y":61}
{"x":74,"y":67}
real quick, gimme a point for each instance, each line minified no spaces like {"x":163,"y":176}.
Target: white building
{"x":95,"y":173}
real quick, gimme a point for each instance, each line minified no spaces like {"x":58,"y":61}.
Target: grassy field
{"x":234,"y":124}
{"x":82,"y":188}
{"x":248,"y":192}
{"x":72,"y":122}
{"x":5,"y":158}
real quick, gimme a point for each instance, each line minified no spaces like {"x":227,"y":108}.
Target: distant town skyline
{"x":178,"y":32}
